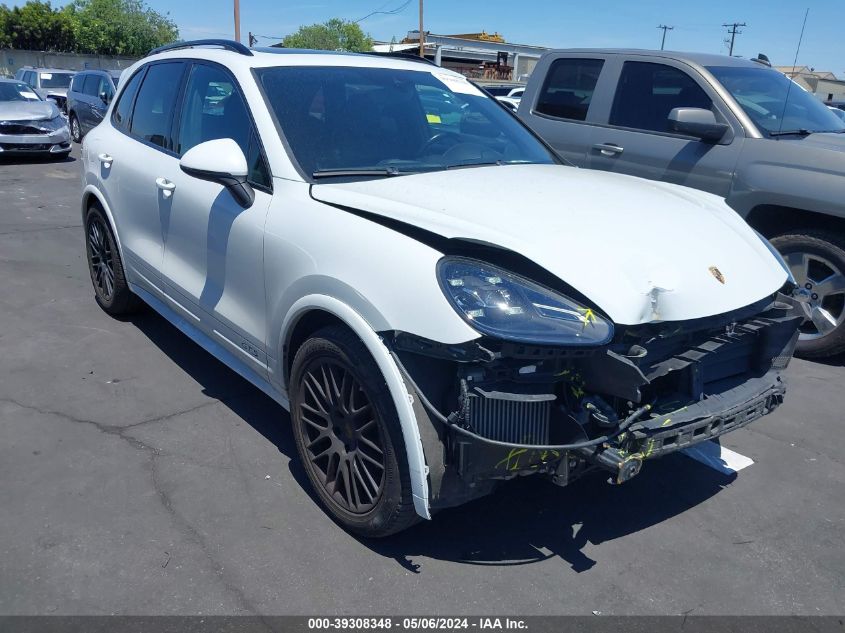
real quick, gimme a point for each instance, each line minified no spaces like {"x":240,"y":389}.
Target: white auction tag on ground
{"x":718,"y":457}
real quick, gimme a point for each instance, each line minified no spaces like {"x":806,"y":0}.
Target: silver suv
{"x":729,"y":126}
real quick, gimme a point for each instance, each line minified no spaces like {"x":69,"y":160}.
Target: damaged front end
{"x":492,"y":409}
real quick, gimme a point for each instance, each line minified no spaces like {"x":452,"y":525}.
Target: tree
{"x":334,"y":35}
{"x":99,"y":27}
{"x":119,"y":27}
{"x":36,"y":26}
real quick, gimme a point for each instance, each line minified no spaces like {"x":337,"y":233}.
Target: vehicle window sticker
{"x":458,"y":85}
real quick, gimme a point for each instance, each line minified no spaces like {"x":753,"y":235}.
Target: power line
{"x":380,"y":10}
{"x":665,"y":28}
{"x":733,"y":32}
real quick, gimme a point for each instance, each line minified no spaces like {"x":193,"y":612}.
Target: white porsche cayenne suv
{"x":438,"y":300}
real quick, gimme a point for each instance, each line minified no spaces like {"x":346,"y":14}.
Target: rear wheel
{"x":105,"y":266}
{"x":75,"y":129}
{"x":817,"y":261}
{"x":348,"y":437}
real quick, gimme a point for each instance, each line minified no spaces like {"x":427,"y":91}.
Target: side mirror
{"x":697,"y":122}
{"x":105,"y":97}
{"x":221,"y":161}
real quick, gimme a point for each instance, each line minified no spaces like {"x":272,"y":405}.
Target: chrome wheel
{"x":75,"y":130}
{"x":342,"y":436}
{"x":824,"y":284}
{"x":101,"y":258}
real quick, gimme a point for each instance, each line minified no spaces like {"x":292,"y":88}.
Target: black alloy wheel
{"x":348,"y":435}
{"x":105,"y":266}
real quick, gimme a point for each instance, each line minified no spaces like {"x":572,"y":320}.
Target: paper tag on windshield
{"x":458,"y":85}
{"x":29,"y":95}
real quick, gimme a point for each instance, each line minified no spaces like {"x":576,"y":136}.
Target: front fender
{"x":393,"y":377}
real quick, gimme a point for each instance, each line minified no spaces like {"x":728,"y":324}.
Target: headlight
{"x":778,"y":257}
{"x":501,"y":304}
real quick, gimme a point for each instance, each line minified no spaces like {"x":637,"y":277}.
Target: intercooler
{"x":510,"y":417}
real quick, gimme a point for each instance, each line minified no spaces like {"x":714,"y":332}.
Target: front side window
{"x":77,"y":83}
{"x":153,"y":113}
{"x":14,"y":91}
{"x":569,"y":88}
{"x":123,"y":110}
{"x":648,"y":92}
{"x":214,"y":108}
{"x":392,"y":120}
{"x":55,"y":80}
{"x":92,"y":83}
{"x":775,"y":103}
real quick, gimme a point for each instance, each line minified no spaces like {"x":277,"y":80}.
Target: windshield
{"x":55,"y":80}
{"x":17,"y":92}
{"x":762,"y":93}
{"x":391,"y":121}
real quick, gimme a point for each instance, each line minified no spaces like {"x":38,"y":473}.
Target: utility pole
{"x":665,"y":28}
{"x":237,"y":20}
{"x":732,"y":30}
{"x":422,"y":33}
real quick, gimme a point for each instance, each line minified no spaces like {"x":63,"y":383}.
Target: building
{"x":480,"y":56}
{"x":823,"y":84}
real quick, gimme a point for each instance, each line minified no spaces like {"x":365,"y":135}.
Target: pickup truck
{"x":733,"y":127}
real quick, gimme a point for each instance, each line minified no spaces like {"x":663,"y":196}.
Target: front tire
{"x":817,"y":261}
{"x":75,"y":128}
{"x":347,"y":435}
{"x":111,"y":291}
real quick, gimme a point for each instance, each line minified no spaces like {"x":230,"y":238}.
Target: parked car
{"x":500,"y":90}
{"x":439,"y":302}
{"x":49,"y":83}
{"x":840,"y":114}
{"x":89,"y":96}
{"x":728,"y":126}
{"x":29,"y":124}
{"x":509,"y":103}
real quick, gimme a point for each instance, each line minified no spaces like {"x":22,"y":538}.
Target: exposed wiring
{"x":450,"y":421}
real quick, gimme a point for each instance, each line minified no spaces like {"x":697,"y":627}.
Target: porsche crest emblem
{"x":717,"y":274}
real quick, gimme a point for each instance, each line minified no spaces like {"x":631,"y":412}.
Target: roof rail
{"x":401,"y":55}
{"x":229,"y":45}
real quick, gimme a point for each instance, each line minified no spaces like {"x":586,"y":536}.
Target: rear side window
{"x":569,"y":88}
{"x":214,"y":108}
{"x":92,"y":83}
{"x":648,"y":92}
{"x":153,"y":112}
{"x":76,"y":84}
{"x":123,"y":109}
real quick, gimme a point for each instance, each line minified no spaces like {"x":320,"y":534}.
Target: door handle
{"x":608,"y":149}
{"x":106,"y":160}
{"x":167,"y":187}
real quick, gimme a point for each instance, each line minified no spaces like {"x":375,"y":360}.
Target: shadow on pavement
{"x":34,"y":159}
{"x":525,"y":521}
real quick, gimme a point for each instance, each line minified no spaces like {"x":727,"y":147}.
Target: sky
{"x":774,"y":26}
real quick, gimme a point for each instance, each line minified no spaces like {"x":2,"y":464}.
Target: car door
{"x":636,"y":138}
{"x":89,"y":92}
{"x":214,"y":248}
{"x":560,"y":111}
{"x":139,"y":152}
{"x":99,"y":102}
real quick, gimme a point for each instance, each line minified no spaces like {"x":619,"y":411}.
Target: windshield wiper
{"x":465,"y":165}
{"x":800,"y":132}
{"x":347,"y":173}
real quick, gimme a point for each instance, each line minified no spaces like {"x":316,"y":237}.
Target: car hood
{"x":27,"y":111}
{"x":834,"y":142}
{"x":643,"y":251}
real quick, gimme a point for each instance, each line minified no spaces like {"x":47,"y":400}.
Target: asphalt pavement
{"x":138,"y":475}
